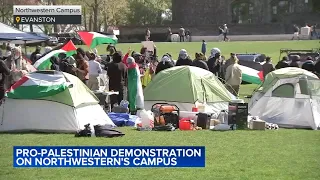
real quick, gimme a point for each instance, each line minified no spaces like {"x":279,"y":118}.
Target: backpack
{"x":86,"y":132}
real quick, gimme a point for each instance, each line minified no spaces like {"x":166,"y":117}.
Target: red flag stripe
{"x":18,"y":83}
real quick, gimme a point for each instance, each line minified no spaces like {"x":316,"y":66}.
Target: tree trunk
{"x":85,"y":19}
{"x":105,"y":22}
{"x":90,"y":22}
{"x":95,"y":15}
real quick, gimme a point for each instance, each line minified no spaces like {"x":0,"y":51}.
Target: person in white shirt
{"x":94,"y":71}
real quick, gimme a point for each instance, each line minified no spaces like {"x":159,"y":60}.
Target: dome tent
{"x":50,"y":101}
{"x":186,"y":85}
{"x":289,"y":97}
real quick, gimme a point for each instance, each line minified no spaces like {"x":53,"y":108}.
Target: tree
{"x":143,"y":12}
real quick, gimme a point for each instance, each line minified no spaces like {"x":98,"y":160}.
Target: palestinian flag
{"x":251,"y":75}
{"x":37,"y":85}
{"x":93,"y":39}
{"x":44,"y":62}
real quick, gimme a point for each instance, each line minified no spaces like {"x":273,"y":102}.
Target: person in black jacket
{"x":117,"y":72}
{"x":4,"y":72}
{"x":54,"y":63}
{"x":213,"y":62}
{"x":308,"y":65}
{"x":199,"y":62}
{"x":165,"y":63}
{"x":283,"y":63}
{"x":184,"y":59}
{"x":33,"y":56}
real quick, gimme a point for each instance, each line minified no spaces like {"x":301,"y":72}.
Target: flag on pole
{"x":44,"y":63}
{"x":93,"y":39}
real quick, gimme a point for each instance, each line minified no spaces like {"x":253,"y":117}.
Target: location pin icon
{"x":18,"y":19}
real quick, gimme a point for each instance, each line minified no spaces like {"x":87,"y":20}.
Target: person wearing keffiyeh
{"x":165,"y":63}
{"x":184,"y":59}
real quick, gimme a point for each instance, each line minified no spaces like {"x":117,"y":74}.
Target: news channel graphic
{"x":83,"y":156}
{"x":57,"y":14}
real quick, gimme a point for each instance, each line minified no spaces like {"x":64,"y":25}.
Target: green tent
{"x":51,"y":101}
{"x":186,"y":84}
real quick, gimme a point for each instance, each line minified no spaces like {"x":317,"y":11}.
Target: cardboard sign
{"x":149,"y":45}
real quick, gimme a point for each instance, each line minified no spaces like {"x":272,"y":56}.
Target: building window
{"x":242,"y":11}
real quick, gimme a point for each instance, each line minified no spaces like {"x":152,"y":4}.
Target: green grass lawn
{"x":282,"y":154}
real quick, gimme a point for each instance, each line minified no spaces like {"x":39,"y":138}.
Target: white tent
{"x":289,"y":97}
{"x":50,"y":101}
{"x":15,"y":36}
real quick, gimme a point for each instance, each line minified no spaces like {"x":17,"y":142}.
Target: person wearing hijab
{"x":117,"y":73}
{"x":308,"y":65}
{"x":184,"y":59}
{"x":199,"y":62}
{"x":213,"y":62}
{"x":165,"y":63}
{"x":135,"y":90}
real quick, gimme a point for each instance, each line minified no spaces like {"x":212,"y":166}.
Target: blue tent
{"x":15,"y":36}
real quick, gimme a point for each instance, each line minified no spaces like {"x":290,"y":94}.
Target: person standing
{"x":82,"y":69}
{"x":117,"y":73}
{"x":94,"y":71}
{"x":33,"y":56}
{"x":233,"y":77}
{"x":4,"y":73}
{"x":283,"y":63}
{"x":182,"y":34}
{"x":267,"y":67}
{"x":296,"y":31}
{"x":213,"y":61}
{"x":148,"y":34}
{"x":204,"y":47}
{"x":135,"y":91}
{"x":225,"y":33}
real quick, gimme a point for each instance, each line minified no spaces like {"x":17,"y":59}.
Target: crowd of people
{"x":129,"y":73}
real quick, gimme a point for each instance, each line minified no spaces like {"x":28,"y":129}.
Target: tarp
{"x":15,"y":36}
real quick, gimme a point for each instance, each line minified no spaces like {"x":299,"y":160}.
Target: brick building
{"x":205,"y":12}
